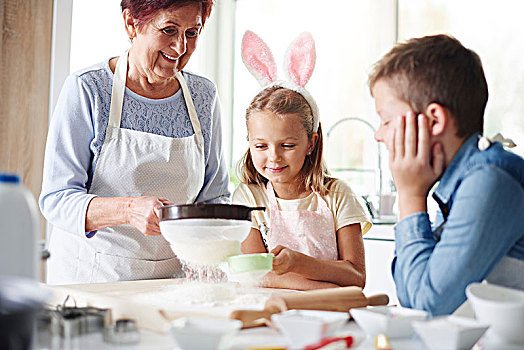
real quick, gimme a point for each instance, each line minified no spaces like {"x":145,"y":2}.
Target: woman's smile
{"x":169,"y":58}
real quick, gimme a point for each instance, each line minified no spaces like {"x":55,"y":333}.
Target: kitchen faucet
{"x":375,"y":212}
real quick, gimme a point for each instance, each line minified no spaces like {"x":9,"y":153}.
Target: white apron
{"x":131,"y":163}
{"x":305,"y":231}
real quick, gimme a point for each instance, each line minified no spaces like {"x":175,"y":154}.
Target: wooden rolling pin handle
{"x":377,"y":300}
{"x":331,"y":299}
{"x":249,"y":318}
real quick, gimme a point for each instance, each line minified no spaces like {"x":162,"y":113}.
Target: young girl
{"x":313,"y":223}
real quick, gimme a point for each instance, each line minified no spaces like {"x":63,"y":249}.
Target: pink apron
{"x":305,"y":231}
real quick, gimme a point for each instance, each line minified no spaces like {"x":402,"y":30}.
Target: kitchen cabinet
{"x":379,"y":246}
{"x":25,"y":65}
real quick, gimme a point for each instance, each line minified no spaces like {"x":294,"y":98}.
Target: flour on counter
{"x":202,"y":294}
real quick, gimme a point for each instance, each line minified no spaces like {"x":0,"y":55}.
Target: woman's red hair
{"x":144,"y":10}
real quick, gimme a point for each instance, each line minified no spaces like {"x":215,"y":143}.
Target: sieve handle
{"x":258,"y":208}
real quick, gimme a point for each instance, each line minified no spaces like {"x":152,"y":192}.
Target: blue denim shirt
{"x":481,"y":220}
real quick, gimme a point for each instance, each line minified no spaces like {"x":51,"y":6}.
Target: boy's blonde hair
{"x":284,"y":102}
{"x":437,"y":69}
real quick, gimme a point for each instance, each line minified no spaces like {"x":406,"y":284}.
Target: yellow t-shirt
{"x":341,"y":200}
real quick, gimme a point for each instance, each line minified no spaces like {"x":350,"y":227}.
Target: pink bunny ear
{"x":300,"y":59}
{"x":258,"y":59}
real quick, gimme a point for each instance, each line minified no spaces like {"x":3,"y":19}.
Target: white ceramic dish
{"x":450,"y":332}
{"x":500,"y":307}
{"x":203,"y":333}
{"x":394,"y":322}
{"x":304,"y":327}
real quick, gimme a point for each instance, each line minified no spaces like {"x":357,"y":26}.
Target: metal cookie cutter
{"x":124,"y":331}
{"x":72,"y":321}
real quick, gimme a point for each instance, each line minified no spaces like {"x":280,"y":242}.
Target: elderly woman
{"x":127,"y":136}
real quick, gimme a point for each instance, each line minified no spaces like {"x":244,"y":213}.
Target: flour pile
{"x":203,"y":294}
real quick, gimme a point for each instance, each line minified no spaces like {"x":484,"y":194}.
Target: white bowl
{"x":204,"y":230}
{"x":304,"y":327}
{"x":205,"y":241}
{"x":249,"y":269}
{"x":203,"y":333}
{"x":450,"y":332}
{"x":500,"y":307}
{"x":394,"y":322}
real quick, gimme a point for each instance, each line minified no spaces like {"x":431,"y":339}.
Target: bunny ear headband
{"x":299,"y":64}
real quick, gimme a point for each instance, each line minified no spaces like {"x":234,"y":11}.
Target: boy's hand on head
{"x":415,"y":164}
{"x":284,"y":259}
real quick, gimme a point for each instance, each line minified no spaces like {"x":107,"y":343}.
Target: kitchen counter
{"x":379,"y":245}
{"x":154,"y":303}
{"x":380,"y":232}
{"x":119,"y":297}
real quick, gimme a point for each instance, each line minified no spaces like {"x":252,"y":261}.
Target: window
{"x":493,"y":29}
{"x":350,"y":35}
{"x":97,"y":33}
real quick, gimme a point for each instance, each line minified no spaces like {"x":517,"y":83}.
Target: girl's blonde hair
{"x":284,"y":102}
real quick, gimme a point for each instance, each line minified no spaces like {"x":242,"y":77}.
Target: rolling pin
{"x":333,"y":299}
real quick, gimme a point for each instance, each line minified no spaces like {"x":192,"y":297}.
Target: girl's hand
{"x":284,"y":260}
{"x":415,"y":164}
{"x":143,"y":213}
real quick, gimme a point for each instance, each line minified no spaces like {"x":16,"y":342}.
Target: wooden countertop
{"x":154,"y":303}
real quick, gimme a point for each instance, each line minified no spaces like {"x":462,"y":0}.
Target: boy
{"x":430,"y":94}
